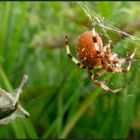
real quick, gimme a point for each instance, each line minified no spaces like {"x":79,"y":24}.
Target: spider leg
{"x":129,"y":58}
{"x":101,"y":84}
{"x":100,"y":73}
{"x":71,"y":57}
{"x":118,"y":69}
{"x":108,"y":44}
{"x":123,"y":60}
{"x":106,"y":48}
{"x":94,"y":37}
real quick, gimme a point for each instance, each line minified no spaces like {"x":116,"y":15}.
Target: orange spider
{"x":93,"y":54}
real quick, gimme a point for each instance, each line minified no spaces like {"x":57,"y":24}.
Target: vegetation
{"x":61,"y":98}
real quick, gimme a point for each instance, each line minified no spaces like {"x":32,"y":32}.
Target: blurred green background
{"x":61,"y":98}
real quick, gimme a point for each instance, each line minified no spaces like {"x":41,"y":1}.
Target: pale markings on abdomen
{"x":83,"y":49}
{"x":85,"y":58}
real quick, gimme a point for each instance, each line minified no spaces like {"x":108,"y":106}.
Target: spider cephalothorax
{"x":93,"y":54}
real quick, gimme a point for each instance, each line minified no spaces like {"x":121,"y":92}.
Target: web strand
{"x":98,"y":21}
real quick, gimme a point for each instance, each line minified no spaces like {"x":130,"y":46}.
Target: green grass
{"x":61,"y":99}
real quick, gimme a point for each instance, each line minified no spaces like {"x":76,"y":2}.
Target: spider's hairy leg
{"x":101,"y":84}
{"x":94,"y":37}
{"x":118,"y":69}
{"x":123,"y":60}
{"x":93,"y":32}
{"x":129,"y":58}
{"x":72,"y":57}
{"x":106,"y":48}
{"x":99,"y":73}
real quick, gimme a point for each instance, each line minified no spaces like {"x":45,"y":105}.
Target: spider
{"x":93,"y":54}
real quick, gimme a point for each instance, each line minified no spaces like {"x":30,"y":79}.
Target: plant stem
{"x":72,"y":122}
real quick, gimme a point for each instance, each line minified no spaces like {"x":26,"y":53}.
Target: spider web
{"x":105,"y":26}
{"x":97,"y":20}
{"x":89,"y":87}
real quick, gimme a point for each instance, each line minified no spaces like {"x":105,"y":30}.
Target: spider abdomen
{"x":88,"y":48}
